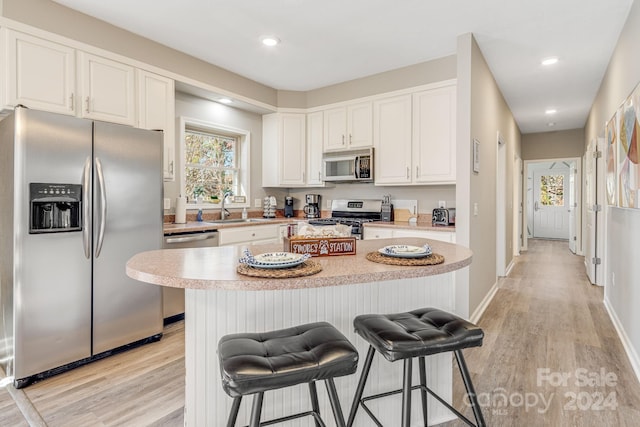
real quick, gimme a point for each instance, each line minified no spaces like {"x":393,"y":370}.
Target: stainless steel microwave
{"x":348,"y":166}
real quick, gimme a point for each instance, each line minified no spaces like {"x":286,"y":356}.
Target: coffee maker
{"x":288,"y":207}
{"x":312,"y":208}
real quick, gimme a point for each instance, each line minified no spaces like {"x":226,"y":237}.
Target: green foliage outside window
{"x":211,"y":164}
{"x":552,"y":190}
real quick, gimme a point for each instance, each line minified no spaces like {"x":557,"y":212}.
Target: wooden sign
{"x":321,"y":246}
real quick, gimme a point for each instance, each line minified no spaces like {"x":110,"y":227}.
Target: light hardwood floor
{"x":545,"y":318}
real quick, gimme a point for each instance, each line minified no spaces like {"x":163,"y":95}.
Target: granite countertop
{"x":215,"y":268}
{"x":420,"y":225}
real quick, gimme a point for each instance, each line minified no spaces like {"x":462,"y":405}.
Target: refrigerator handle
{"x":103,"y":207}
{"x":86,"y":203}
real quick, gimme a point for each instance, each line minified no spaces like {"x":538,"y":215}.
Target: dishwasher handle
{"x":190,"y":238}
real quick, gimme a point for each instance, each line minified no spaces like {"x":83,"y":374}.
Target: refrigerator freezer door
{"x":52,"y":281}
{"x":128,"y":207}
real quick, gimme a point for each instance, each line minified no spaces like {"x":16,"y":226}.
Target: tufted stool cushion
{"x":257,"y":362}
{"x":420,"y":332}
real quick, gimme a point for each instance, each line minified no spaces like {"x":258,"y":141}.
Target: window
{"x":552,"y":190}
{"x":215,"y":162}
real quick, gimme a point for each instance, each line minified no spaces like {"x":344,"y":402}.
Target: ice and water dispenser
{"x":55,"y":208}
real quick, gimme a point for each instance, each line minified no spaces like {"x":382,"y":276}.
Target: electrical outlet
{"x":167,"y":204}
{"x":442,"y":204}
{"x":257,"y":203}
{"x":475,"y":209}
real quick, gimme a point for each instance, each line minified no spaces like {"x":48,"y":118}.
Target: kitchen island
{"x":220,"y":301}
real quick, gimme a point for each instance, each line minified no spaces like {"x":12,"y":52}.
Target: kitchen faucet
{"x":223,"y":211}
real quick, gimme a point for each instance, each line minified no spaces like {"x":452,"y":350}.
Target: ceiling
{"x":332,"y":41}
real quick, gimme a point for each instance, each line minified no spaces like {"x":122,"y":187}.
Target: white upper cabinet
{"x":107,"y":89}
{"x":415,"y":138}
{"x":40,"y":74}
{"x":283,"y":150}
{"x":156,"y":110}
{"x":392,"y":140}
{"x":315,"y":128}
{"x":434,"y":136}
{"x":348,"y":127}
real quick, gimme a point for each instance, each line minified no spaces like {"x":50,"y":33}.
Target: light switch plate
{"x":257,"y":203}
{"x":167,"y":203}
{"x":442,"y":204}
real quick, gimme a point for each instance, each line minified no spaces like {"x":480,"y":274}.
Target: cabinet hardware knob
{"x":408,"y":172}
{"x":87,"y":104}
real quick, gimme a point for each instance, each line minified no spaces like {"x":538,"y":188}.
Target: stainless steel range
{"x":353,"y":213}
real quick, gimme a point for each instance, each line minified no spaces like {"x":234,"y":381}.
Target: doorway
{"x":552,"y":201}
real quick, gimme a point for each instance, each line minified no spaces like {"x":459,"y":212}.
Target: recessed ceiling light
{"x":225,"y":100}
{"x":270,"y":41}
{"x":550,"y":61}
{"x":551,"y":111}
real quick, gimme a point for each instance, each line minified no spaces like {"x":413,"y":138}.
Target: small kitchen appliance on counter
{"x":353,"y":213}
{"x":288,"y":207}
{"x":312,"y":208}
{"x":443,"y":216}
{"x":269,"y":207}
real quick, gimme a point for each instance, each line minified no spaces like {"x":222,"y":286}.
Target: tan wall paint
{"x":432,"y":71}
{"x":55,"y":18}
{"x":622,"y":225}
{"x":553,"y":145}
{"x":482,"y":108}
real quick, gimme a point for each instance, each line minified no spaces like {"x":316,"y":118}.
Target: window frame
{"x":243,"y":151}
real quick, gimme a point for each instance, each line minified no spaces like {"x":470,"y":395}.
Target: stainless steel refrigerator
{"x":78,"y":198}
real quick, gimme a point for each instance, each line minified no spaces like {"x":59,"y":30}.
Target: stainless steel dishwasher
{"x":173,"y":298}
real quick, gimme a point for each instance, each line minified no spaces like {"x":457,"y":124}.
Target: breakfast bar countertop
{"x":215,"y":268}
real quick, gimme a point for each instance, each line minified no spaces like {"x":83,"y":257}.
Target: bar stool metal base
{"x":408,"y":388}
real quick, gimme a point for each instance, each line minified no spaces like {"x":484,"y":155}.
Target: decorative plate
{"x":273,"y":259}
{"x":406,"y":251}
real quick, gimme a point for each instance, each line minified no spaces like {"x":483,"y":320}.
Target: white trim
{"x":501,"y":205}
{"x":244,"y":151}
{"x":632,"y":355}
{"x":509,"y":267}
{"x":479,"y":311}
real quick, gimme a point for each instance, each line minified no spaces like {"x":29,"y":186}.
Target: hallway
{"x":551,"y":356}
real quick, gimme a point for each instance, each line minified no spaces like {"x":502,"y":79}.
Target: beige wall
{"x":622,"y":226}
{"x":52,"y":17}
{"x":553,"y":145}
{"x":482,"y":113}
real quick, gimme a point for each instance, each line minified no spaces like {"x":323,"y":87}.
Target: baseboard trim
{"x":479,"y":311}
{"x":632,"y":355}
{"x":509,"y":268}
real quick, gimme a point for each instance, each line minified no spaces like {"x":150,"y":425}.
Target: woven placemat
{"x":385,"y":259}
{"x":307,"y":268}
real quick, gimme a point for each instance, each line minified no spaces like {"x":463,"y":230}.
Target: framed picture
{"x":476,"y":156}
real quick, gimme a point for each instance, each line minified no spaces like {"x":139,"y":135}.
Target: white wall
{"x":622,"y":295}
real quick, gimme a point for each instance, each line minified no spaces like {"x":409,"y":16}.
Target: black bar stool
{"x":253,"y":363}
{"x":416,"y":333}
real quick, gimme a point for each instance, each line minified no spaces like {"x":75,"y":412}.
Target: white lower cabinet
{"x":249,"y":235}
{"x":387,"y":233}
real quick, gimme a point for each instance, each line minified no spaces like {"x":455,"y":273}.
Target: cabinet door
{"x":292,"y":155}
{"x":156,"y":110}
{"x":443,"y":236}
{"x":434,"y":141}
{"x":392,"y":140}
{"x":315,"y":127}
{"x":377,"y":233}
{"x":107,"y":89}
{"x":248,"y":234}
{"x":40,"y":74}
{"x":335,"y":129}
{"x":360,"y":125}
